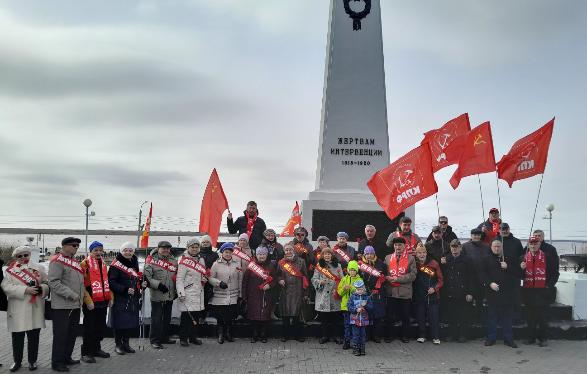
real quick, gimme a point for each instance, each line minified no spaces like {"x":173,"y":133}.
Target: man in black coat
{"x":447,"y":234}
{"x":456,"y":292}
{"x":250,"y":223}
{"x":549,"y":249}
{"x":437,"y":247}
{"x":476,"y":251}
{"x":540,"y":274}
{"x":511,"y":245}
{"x":502,"y":277}
{"x":377,"y":242}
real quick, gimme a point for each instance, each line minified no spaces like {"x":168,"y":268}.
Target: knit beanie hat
{"x":353,"y":265}
{"x":359,"y":284}
{"x":226,"y":246}
{"x":243,"y":236}
{"x":369,"y":250}
{"x":127,"y":245}
{"x":262,"y":251}
{"x":191,"y":242}
{"x":95,"y":244}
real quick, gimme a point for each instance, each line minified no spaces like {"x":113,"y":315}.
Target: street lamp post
{"x":550,"y":208}
{"x":87,"y":203}
{"x":140,"y":228}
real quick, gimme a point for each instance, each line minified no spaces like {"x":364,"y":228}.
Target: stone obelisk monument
{"x":354,"y":139}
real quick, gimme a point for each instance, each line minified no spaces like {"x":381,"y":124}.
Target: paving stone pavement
{"x":562,"y":356}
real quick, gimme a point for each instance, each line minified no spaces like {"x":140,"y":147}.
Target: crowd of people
{"x":357,"y":293}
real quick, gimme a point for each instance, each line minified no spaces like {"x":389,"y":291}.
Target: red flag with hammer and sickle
{"x":477,"y":156}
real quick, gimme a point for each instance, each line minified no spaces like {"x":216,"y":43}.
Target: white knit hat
{"x":192,"y":241}
{"x":21,"y":249}
{"x":127,"y":245}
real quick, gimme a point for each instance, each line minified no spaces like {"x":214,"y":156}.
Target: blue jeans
{"x":348,"y":332}
{"x":423,"y":310}
{"x":359,"y":336}
{"x":504,"y":315}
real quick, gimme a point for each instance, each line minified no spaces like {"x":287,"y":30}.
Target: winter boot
{"x":356,"y":351}
{"x":362,"y":350}
{"x":228,"y":336}
{"x":346,"y":345}
{"x":126,"y":347}
{"x":220,"y":333}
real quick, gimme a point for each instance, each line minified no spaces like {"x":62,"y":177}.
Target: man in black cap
{"x":250,"y":223}
{"x":160,"y":273}
{"x":490,"y":228}
{"x":437,"y":247}
{"x":66,"y":281}
{"x":447,"y":234}
{"x":512,"y":246}
{"x":476,"y":250}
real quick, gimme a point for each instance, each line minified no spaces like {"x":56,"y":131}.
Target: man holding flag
{"x":250,"y":223}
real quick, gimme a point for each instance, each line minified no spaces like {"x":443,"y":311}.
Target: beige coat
{"x":189,"y":285}
{"x":230,"y":273}
{"x":22,"y":314}
{"x":404,"y":290}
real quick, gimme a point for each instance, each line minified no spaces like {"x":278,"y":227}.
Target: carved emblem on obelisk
{"x":357,"y":16}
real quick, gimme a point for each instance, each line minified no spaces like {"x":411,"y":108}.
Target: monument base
{"x":328,"y":217}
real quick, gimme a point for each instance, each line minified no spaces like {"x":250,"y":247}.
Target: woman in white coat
{"x":25,"y":285}
{"x":191,"y":277}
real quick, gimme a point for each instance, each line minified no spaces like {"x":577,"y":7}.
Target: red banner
{"x":477,"y":156}
{"x":527,"y":157}
{"x":404,"y":182}
{"x":147,"y":230}
{"x":446,"y":143}
{"x":214,"y":204}
{"x":295,"y":219}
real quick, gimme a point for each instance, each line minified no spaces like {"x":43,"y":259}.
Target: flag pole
{"x":481,"y":192}
{"x":437,"y":206}
{"x":536,"y":206}
{"x":498,"y":194}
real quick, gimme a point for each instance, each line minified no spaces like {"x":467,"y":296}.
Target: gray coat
{"x":404,"y":290}
{"x":156,"y":275}
{"x":292,"y":294}
{"x":66,"y":284}
{"x":325,"y":293}
{"x":189,"y":285}
{"x":231,"y":273}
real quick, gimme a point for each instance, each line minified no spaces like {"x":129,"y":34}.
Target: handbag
{"x":48,"y":309}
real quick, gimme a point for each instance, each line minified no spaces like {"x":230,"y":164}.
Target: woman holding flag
{"x":327,"y":275}
{"x":191,"y":278}
{"x":258,"y":280}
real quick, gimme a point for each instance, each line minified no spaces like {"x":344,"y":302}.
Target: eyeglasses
{"x":74,"y":245}
{"x":25,"y":255}
{"x":443,"y":222}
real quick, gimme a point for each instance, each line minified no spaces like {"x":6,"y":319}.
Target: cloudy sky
{"x":129,"y":101}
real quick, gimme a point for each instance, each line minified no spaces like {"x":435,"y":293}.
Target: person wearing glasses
{"x":66,"y":281}
{"x":249,"y":223}
{"x":25,"y":286}
{"x":447,"y":234}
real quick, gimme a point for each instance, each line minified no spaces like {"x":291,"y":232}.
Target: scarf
{"x":250,"y":223}
{"x":291,"y":269}
{"x":535,"y":274}
{"x":411,"y":244}
{"x":397,"y":270}
{"x":99,"y":284}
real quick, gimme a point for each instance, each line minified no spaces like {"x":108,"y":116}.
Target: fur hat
{"x":21,"y":249}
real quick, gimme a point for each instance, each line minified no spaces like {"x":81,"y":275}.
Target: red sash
{"x":301,"y":249}
{"x":163,"y":264}
{"x":194,"y":265}
{"x":429,"y":271}
{"x":396,"y":270}
{"x":366,"y":268}
{"x":341,"y":254}
{"x":68,"y":261}
{"x":261,"y":273}
{"x":328,"y":274}
{"x":250,"y":224}
{"x":535,"y":274}
{"x":289,"y":268}
{"x":99,"y":283}
{"x":242,"y":255}
{"x":26,"y":277}
{"x":409,"y":246}
{"x":129,"y":271}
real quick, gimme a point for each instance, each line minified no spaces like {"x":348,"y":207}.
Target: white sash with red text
{"x":260,"y":272}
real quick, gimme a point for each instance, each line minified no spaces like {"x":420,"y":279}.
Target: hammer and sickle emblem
{"x":444,"y":141}
{"x":406,"y":180}
{"x":478,"y":140}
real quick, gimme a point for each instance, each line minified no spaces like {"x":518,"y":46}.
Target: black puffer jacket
{"x":240,"y":226}
{"x":458,"y":272}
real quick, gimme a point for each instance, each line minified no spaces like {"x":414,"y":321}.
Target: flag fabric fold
{"x":477,"y":156}
{"x":147,"y":229}
{"x":527,"y":157}
{"x":295,"y":219}
{"x":214,"y":203}
{"x":446,"y":143}
{"x":404,"y":182}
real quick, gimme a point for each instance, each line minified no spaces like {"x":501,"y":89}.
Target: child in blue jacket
{"x":359,"y":307}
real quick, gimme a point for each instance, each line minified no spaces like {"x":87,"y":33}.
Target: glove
{"x":223,"y":285}
{"x":163,"y":288}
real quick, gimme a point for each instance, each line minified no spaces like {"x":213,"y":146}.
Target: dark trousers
{"x":398,"y":309}
{"x":537,"y":320}
{"x":160,"y":321}
{"x":457,"y":316}
{"x":359,"y":336}
{"x":428,"y":311}
{"x":187,"y":328}
{"x":503,"y":314}
{"x":225,"y":314}
{"x":329,"y":322}
{"x":291,"y":327}
{"x":121,"y":336}
{"x":65,"y":322}
{"x":259,"y":328}
{"x":32,"y":345}
{"x":348,"y":330}
{"x":376,"y":328}
{"x":94,"y":326}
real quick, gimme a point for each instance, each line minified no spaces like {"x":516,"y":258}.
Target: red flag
{"x":477,"y":156}
{"x":527,"y":157}
{"x":295,"y":219}
{"x":404,"y":182}
{"x":147,"y":230}
{"x":444,"y":142}
{"x":214,"y":203}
